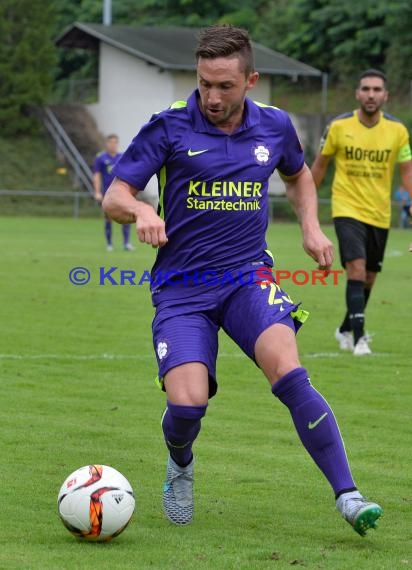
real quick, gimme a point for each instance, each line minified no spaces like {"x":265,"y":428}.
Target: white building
{"x":142,"y":70}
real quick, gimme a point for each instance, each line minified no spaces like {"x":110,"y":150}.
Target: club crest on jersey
{"x":261,"y":154}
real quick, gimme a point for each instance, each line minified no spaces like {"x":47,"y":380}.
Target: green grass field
{"x":77,"y":369}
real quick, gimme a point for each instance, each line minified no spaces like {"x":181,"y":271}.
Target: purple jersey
{"x":213,"y":186}
{"x":104,"y":163}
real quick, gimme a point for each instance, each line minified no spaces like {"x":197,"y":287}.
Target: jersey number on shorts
{"x":276,"y":295}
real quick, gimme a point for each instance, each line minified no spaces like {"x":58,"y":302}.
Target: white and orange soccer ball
{"x":96,"y":502}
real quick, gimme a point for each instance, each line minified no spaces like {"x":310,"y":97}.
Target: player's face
{"x":112,"y":145}
{"x":222,"y":86}
{"x":371,"y":94}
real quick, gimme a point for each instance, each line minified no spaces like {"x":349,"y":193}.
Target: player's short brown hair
{"x":372,"y":73}
{"x":226,"y":41}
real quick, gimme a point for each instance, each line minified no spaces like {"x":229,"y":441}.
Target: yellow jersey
{"x":365,"y":159}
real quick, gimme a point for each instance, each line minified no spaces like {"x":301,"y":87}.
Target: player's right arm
{"x":120,"y":205}
{"x":326,"y":151}
{"x":319,"y":168}
{"x":97,"y":185}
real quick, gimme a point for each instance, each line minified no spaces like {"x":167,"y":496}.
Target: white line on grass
{"x":75,"y":356}
{"x":149,"y":356}
{"x":395,"y":253}
{"x":338,"y":354}
{"x":103,"y":356}
{"x":35,"y":255}
{"x":323,"y":354}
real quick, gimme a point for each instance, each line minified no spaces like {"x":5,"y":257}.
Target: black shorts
{"x":358,"y":240}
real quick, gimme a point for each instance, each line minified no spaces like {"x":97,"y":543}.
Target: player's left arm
{"x":406,"y":176}
{"x":301,"y":193}
{"x":405,"y":169}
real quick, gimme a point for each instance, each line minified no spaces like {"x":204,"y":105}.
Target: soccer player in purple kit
{"x":102,"y":178}
{"x":213,"y":155}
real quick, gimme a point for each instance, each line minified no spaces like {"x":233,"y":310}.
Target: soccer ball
{"x":96,"y":503}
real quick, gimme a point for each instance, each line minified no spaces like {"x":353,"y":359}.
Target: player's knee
{"x":293,"y":383}
{"x":194,"y":413}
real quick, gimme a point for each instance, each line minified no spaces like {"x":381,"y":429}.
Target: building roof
{"x":170,"y":48}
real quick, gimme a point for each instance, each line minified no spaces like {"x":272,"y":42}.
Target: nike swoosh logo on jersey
{"x":312,"y":425}
{"x":191,"y":152}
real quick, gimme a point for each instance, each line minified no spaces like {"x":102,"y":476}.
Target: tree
{"x":340,"y":38}
{"x":79,"y":64}
{"x":399,"y":53}
{"x":27,"y":58}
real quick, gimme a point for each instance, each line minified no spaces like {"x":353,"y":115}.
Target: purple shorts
{"x":186,"y":329}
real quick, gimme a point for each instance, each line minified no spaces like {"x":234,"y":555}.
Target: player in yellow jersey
{"x":366,"y":144}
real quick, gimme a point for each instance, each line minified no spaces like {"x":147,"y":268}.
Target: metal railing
{"x":79,"y":196}
{"x":65,"y":145}
{"x":76,"y":196}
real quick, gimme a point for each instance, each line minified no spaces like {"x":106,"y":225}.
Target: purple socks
{"x":181,"y":425}
{"x":311,"y":414}
{"x":317,"y":427}
{"x":126,"y":233}
{"x":108,"y":231}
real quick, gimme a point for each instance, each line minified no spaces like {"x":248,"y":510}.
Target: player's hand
{"x":410,"y":247}
{"x":320,"y":248}
{"x":150,"y":227}
{"x":98,"y":197}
